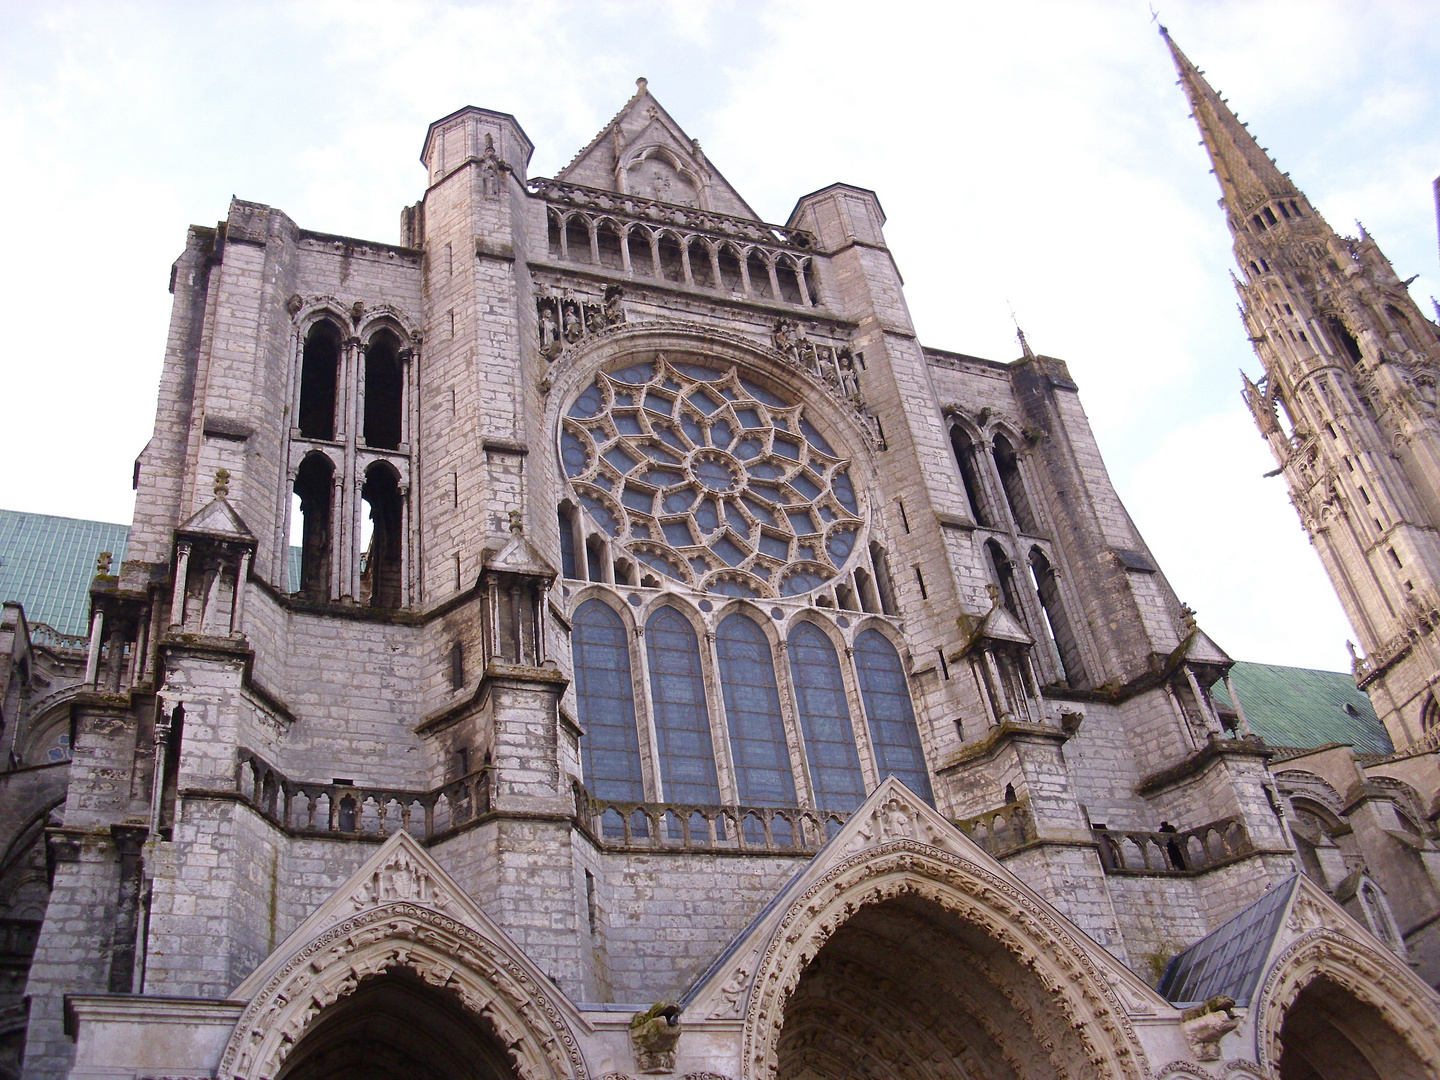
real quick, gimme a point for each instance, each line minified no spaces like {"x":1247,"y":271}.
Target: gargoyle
{"x":654,"y":1033}
{"x":1205,"y":1025}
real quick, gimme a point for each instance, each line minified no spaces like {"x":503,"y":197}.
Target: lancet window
{"x":747,"y":756}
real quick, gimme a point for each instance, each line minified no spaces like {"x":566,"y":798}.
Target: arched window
{"x":319,"y":377}
{"x":605,"y":699}
{"x":1047,"y":586}
{"x":964,"y":449}
{"x":384,"y":392}
{"x":1002,"y":569}
{"x":380,"y":580}
{"x":314,"y":487}
{"x":569,"y":564}
{"x":752,"y":711}
{"x":682,"y":720}
{"x":835,"y":775}
{"x":1007,"y":463}
{"x":1344,"y":339}
{"x":893,"y":733}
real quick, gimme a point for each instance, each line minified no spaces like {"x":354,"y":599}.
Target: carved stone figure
{"x":653,"y":1034}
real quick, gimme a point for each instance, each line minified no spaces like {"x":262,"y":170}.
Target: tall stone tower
{"x":1348,"y":406}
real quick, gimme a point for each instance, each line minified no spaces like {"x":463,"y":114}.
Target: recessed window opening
{"x":1259,"y":224}
{"x":789,"y":281}
{"x":1270,"y":218}
{"x":964,"y":449}
{"x":1344,"y":339}
{"x":834,"y":763}
{"x":625,"y":572}
{"x":886,"y":695}
{"x":904,"y":518}
{"x":757,"y":734}
{"x":568,"y":564}
{"x":638,"y":241}
{"x":730,"y":270}
{"x":605,"y":701}
{"x":700,"y":264}
{"x":1395,"y":558}
{"x":1284,"y":211}
{"x":595,"y":558}
{"x":554,"y":233}
{"x":457,"y":666}
{"x":811,"y":284}
{"x":759,"y":275}
{"x":865,"y":586}
{"x":1003,"y":571}
{"x":608,"y":238}
{"x":883,"y":584}
{"x":319,"y":379}
{"x":845,"y":598}
{"x":1008,"y":465}
{"x":944,"y":667}
{"x":384,"y":392}
{"x":577,"y":239}
{"x":314,"y":486}
{"x":672,"y":265}
{"x":380,"y":580}
{"x":1057,"y":621}
{"x":682,"y":719}
{"x":1009,"y":794}
{"x":1296,"y":207}
{"x":920,"y":580}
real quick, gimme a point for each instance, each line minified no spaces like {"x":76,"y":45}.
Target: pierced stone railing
{"x":1002,"y":830}
{"x":1172,"y":853}
{"x":308,"y":808}
{"x":776,"y":830}
{"x":45,"y":634}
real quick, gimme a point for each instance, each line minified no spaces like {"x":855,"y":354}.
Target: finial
{"x":517,"y":522}
{"x":1187,"y":617}
{"x":222,"y":483}
{"x":640,"y":84}
{"x":102,"y":563}
{"x":1024,"y":345}
{"x":1436,"y":305}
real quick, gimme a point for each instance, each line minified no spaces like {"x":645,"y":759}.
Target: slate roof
{"x":1229,"y":960}
{"x":1304,"y":708}
{"x":47,"y":564}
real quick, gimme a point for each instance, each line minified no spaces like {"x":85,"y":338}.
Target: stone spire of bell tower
{"x":1347,"y":404}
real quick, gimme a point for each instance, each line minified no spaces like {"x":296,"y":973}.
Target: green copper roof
{"x":47,"y":564}
{"x":1303,"y":708}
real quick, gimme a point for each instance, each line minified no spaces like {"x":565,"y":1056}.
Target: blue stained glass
{"x":774,"y":545}
{"x":636,"y":499}
{"x":721,"y":435}
{"x":814,"y":438}
{"x":634,"y":374}
{"x":706,"y":517}
{"x":844,"y":492}
{"x":732,"y":588}
{"x":677,"y":502}
{"x":759,"y":393}
{"x":765,"y":491}
{"x":659,"y":453}
{"x":800,"y":522}
{"x":752,"y":712}
{"x":749,"y":418}
{"x":602,"y":514}
{"x":800,"y":581}
{"x":618,"y":457}
{"x":692,"y":430}
{"x":677,"y":534}
{"x":736,"y":520}
{"x":626,"y":424}
{"x":624,"y":401}
{"x":658,"y":404}
{"x":682,"y":720}
{"x":572,"y":452}
{"x":893,"y":732}
{"x":659,"y":562}
{"x":787,"y":448}
{"x":825,"y":720}
{"x":806,"y":486}
{"x":715,"y":475}
{"x":695,"y":371}
{"x":700,"y":566}
{"x":746,"y":449}
{"x":664,"y":477}
{"x":568,"y":563}
{"x":840,"y":544}
{"x":669,"y":437}
{"x":670,"y":384}
{"x":605,"y":700}
{"x":760,"y":510}
{"x":768,"y":470}
{"x":728,"y":550}
{"x":704,"y":402}
{"x":639,"y":530}
{"x":588,"y":404}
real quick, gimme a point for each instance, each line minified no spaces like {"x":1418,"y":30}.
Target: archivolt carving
{"x":443,"y":952}
{"x":906,"y":867}
{"x":1372,"y":975}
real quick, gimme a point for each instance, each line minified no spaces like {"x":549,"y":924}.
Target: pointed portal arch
{"x":1332,"y":1008}
{"x":905,"y":960}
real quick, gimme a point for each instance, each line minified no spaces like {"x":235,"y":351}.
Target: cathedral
{"x":593,"y":637}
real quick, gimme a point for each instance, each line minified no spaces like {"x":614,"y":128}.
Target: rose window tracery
{"x":710,"y":479}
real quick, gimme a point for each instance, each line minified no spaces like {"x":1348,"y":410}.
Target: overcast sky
{"x":1029,"y":155}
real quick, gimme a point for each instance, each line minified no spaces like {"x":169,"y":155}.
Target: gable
{"x":644,"y":152}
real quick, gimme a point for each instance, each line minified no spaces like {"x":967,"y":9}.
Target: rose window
{"x":707,"y":478}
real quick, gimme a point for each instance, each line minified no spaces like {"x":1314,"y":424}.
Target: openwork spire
{"x":1247,"y":175}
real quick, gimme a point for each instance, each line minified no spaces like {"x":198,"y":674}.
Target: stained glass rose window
{"x":708,"y":478}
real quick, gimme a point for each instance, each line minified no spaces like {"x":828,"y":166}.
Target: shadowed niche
{"x":395,"y":1027}
{"x":1329,"y":1034}
{"x":907,"y":989}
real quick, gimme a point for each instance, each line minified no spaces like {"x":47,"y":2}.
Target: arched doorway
{"x":908,"y":989}
{"x":395,"y":1027}
{"x":1330,"y":1034}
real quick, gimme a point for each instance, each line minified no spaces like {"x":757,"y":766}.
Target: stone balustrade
{"x":1002,"y":830}
{"x":779,"y":830}
{"x":1193,"y":851}
{"x":312,"y":808}
{"x":45,"y":634}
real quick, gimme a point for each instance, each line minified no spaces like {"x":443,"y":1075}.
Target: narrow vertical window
{"x":384,"y":392}
{"x":883,"y":584}
{"x":752,"y":711}
{"x":457,"y":666}
{"x":1062,"y":634}
{"x":569,"y":566}
{"x":1007,"y":463}
{"x":835,"y":775}
{"x":1002,"y":570}
{"x":314,"y":487}
{"x":319,"y":377}
{"x":605,"y":700}
{"x":964,"y":450}
{"x":893,"y":731}
{"x":380,"y":578}
{"x":682,"y":719}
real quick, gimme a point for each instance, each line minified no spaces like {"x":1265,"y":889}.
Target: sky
{"x":1033,"y":157}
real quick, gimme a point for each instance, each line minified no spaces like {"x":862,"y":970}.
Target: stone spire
{"x":1247,"y":175}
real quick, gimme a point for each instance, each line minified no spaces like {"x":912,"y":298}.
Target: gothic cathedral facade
{"x":594,"y":637}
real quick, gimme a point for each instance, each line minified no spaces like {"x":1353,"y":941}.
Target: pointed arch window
{"x":319,"y":379}
{"x":893,"y":732}
{"x":752,"y":711}
{"x":381,"y":579}
{"x":964,"y":449}
{"x":1057,"y":619}
{"x":314,"y":490}
{"x":1007,"y":463}
{"x":834,"y":762}
{"x":682,"y":719}
{"x":384,"y":392}
{"x":605,"y":699}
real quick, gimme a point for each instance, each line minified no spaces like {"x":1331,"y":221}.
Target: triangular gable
{"x":642,"y":151}
{"x":519,"y":556}
{"x":218,"y":518}
{"x":402,"y":871}
{"x":891,"y":813}
{"x":1203,"y":650}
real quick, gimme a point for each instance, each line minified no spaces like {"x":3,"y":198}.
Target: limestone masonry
{"x":683,"y":670}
